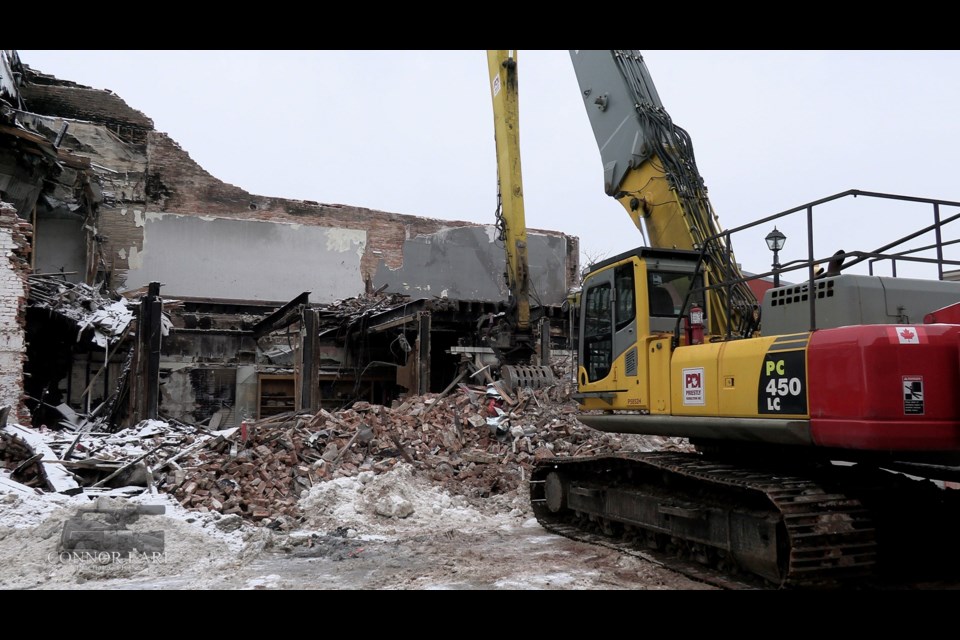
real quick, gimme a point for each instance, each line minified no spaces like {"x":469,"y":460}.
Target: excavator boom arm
{"x":649,"y":167}
{"x":511,"y":224}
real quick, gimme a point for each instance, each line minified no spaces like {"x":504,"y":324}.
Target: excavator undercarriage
{"x":792,"y":527}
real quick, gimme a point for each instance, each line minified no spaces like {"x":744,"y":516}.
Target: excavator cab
{"x":630,"y":311}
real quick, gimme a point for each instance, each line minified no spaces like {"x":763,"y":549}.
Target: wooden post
{"x":310,"y":361}
{"x":153,"y":361}
{"x":423,"y":353}
{"x":545,"y":342}
{"x":149,"y":331}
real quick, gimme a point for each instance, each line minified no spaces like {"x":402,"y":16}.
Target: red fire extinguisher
{"x":695,"y":325}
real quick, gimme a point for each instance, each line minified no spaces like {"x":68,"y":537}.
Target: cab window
{"x":598,"y":331}
{"x":626,"y":298}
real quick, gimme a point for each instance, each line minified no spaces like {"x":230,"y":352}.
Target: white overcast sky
{"x":412,"y":132}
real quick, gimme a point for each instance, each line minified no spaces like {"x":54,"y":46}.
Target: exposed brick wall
{"x":84,"y":103}
{"x":184,"y":187}
{"x":172,"y":182}
{"x":15,"y":237}
{"x":120,"y":235}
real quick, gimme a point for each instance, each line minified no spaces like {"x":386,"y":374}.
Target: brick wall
{"x":14,"y":267}
{"x":182,"y":186}
{"x":69,"y":100}
{"x":155,"y":175}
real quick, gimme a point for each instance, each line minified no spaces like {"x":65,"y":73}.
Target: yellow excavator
{"x":520,"y":341}
{"x":816,"y":437}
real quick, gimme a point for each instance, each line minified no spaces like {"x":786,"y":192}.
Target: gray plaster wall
{"x":468,"y":263}
{"x":245,"y":259}
{"x":61,"y":244}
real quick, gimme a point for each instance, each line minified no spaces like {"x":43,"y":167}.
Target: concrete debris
{"x":34,"y":459}
{"x":470,"y":443}
{"x":108,"y":323}
{"x":351,"y":312}
{"x":108,"y":319}
{"x":366,"y":304}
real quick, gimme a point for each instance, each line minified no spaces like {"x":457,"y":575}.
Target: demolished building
{"x":239,"y":305}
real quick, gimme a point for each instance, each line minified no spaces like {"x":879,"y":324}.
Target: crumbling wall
{"x":8,"y":81}
{"x":194,"y":394}
{"x":14,"y":269}
{"x":150,"y":184}
{"x":50,"y":95}
{"x":469,"y":263}
{"x":246,"y":259}
{"x":179,"y":185}
{"x":334,"y":251}
{"x":62,"y":248}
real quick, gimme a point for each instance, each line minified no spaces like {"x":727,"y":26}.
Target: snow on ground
{"x":398,"y":502}
{"x":197,"y":547}
{"x":395,"y":530}
{"x":206,"y":549}
{"x":19,"y":510}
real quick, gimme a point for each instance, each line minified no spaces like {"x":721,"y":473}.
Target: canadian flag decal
{"x":907,"y":335}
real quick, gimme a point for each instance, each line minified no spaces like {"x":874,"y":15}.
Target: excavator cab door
{"x":596,"y":328}
{"x":610,"y":370}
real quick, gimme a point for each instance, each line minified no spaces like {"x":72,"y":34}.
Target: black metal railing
{"x":811,"y":262}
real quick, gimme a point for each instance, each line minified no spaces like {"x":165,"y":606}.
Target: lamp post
{"x":775,"y":241}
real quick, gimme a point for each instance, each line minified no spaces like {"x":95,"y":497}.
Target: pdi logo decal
{"x":693,"y":386}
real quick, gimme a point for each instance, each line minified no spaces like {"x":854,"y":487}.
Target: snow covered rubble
{"x":366,"y":471}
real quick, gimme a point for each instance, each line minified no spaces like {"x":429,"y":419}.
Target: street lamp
{"x":775,"y":241}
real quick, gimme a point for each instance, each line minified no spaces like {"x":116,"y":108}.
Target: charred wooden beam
{"x":282,"y":317}
{"x":155,"y":331}
{"x":146,"y":398}
{"x":310,"y":362}
{"x":423,"y":353}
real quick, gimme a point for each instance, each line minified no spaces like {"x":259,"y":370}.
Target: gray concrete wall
{"x":245,"y":259}
{"x":61,"y":244}
{"x":468,"y":263}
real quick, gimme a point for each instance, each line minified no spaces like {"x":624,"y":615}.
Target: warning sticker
{"x":496,"y":85}
{"x":693,"y":391}
{"x":913,"y":395}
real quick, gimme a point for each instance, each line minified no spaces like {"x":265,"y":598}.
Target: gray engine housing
{"x":850,"y":299}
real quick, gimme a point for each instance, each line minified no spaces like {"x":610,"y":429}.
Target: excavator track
{"x":788,"y":530}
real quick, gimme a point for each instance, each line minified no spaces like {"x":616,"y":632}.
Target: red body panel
{"x":885,"y":388}
{"x":948,"y":315}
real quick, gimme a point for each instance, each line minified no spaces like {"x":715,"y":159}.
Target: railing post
{"x":728,"y":284}
{"x":936,"y":232}
{"x":811,"y":289}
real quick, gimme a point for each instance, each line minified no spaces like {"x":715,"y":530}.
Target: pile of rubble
{"x":477,"y":441}
{"x":109,"y":319}
{"x":95,"y":462}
